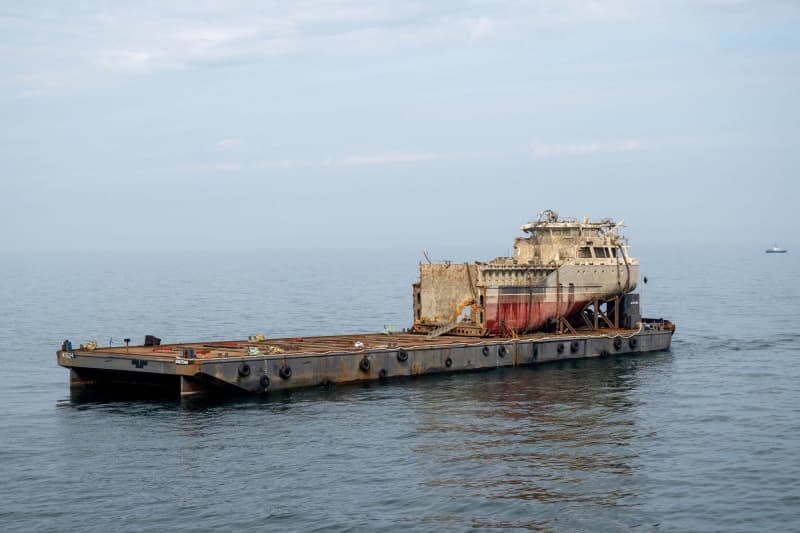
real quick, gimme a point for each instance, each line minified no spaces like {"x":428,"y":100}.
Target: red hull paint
{"x":523,"y":315}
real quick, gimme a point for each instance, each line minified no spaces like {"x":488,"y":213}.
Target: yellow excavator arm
{"x":467,"y":301}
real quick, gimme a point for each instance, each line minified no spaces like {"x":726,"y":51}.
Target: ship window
{"x":480,"y":300}
{"x":600,"y":252}
{"x":584,"y":252}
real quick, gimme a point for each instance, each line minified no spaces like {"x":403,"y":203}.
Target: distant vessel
{"x":775,"y":250}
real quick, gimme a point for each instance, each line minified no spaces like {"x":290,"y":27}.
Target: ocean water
{"x":705,"y":437}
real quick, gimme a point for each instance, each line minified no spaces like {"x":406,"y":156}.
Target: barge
{"x":258,"y":366}
{"x":566,"y":294}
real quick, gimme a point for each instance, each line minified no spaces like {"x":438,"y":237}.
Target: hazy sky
{"x":235,"y":124}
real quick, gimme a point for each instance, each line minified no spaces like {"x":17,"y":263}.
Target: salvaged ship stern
{"x":557,"y":279}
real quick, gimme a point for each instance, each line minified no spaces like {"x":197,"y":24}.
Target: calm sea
{"x":703,"y":438}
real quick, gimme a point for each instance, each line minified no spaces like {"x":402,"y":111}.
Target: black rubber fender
{"x":285,"y":372}
{"x":363,"y":365}
{"x":448,"y":362}
{"x":502,"y":351}
{"x":574,"y":346}
{"x":264,"y":382}
{"x":485,"y":351}
{"x":382,"y":373}
{"x":534,"y":351}
{"x":560,"y":347}
{"x":617,"y":342}
{"x":633,"y":342}
{"x":244,"y":370}
{"x":402,"y":356}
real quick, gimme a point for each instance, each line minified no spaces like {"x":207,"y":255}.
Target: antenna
{"x":427,"y":257}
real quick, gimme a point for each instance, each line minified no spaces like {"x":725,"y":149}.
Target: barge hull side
{"x":264,"y":373}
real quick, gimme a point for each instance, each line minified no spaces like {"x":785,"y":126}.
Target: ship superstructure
{"x":557,"y":270}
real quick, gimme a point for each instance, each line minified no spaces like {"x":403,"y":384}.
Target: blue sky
{"x":232,"y":125}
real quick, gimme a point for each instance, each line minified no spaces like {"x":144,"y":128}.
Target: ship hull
{"x":510,"y":312}
{"x":564,"y":293}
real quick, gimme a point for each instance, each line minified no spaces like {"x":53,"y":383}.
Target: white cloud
{"x":224,"y":167}
{"x":581,"y":149}
{"x":136,"y":39}
{"x":384,"y":158}
{"x":601,"y":9}
{"x":282,"y":163}
{"x":481,"y":27}
{"x":231,"y":166}
{"x":389,"y":158}
{"x":32,"y":85}
{"x":379,"y":158}
{"x":127,"y":61}
{"x":130,"y":40}
{"x":229,"y":144}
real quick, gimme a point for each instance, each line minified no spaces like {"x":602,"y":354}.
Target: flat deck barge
{"x":260,"y":365}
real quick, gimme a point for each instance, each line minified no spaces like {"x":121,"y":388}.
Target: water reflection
{"x":85,"y":396}
{"x":510,"y":448}
{"x":545,"y":434}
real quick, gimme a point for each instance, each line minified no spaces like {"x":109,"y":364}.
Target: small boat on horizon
{"x":775,"y":249}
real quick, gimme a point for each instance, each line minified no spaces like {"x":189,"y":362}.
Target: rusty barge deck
{"x":262,"y":365}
